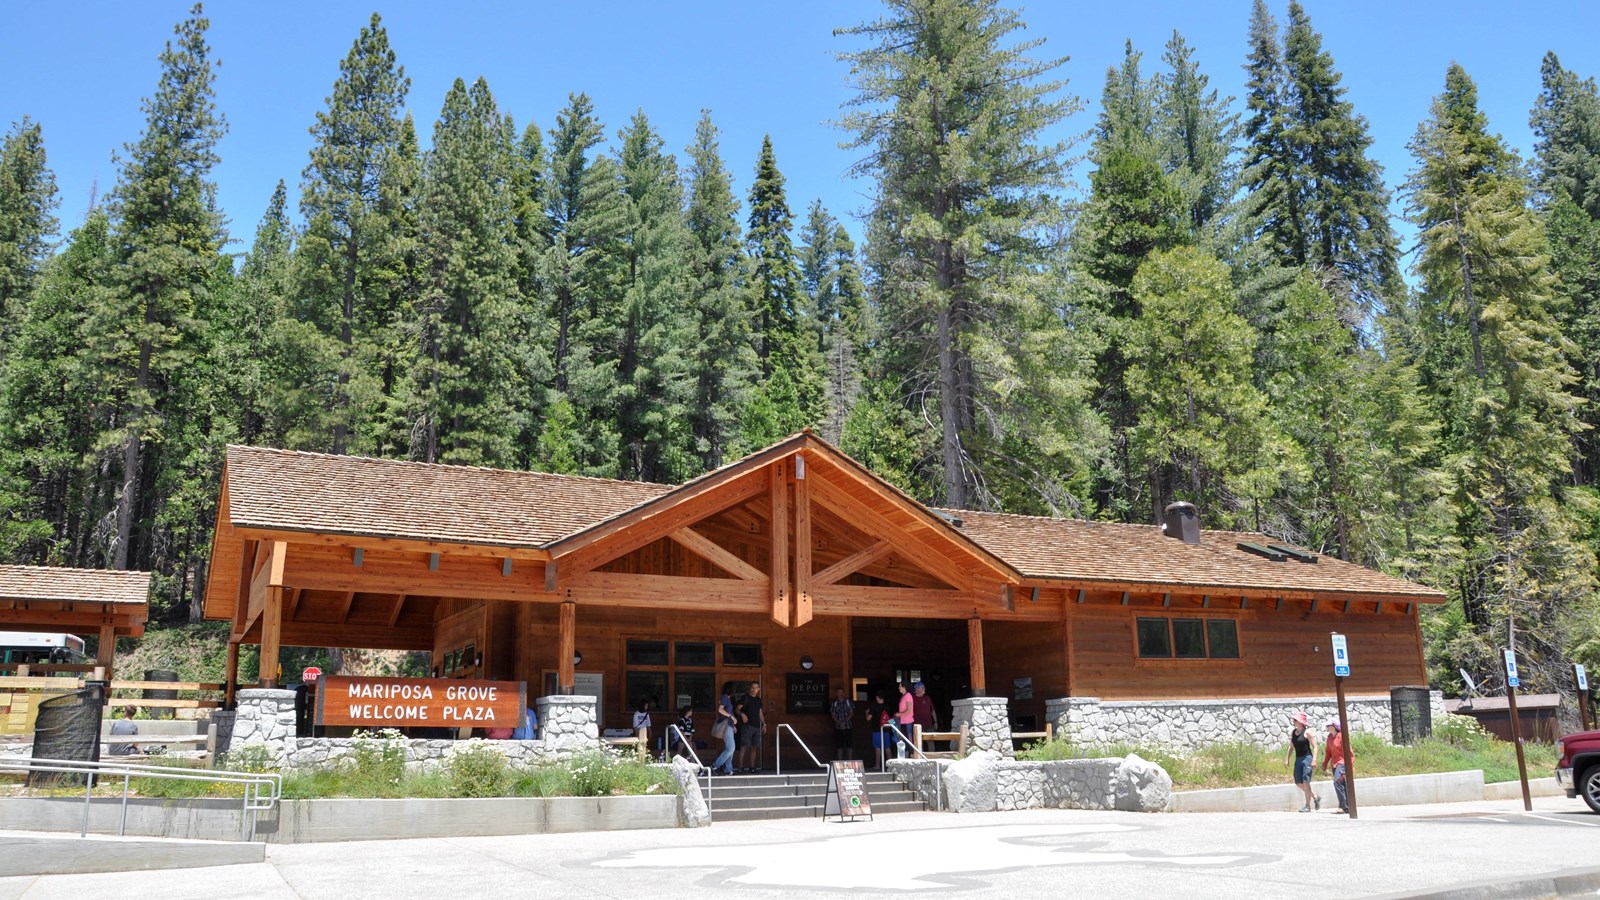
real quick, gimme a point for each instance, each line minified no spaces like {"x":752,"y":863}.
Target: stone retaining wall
{"x":1186,"y":725}
{"x":985,"y":782}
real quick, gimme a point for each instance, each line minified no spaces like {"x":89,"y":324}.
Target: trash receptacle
{"x":1410,"y":713}
{"x":68,"y":727}
{"x":161,"y":712}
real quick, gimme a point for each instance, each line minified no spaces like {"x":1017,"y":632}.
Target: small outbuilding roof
{"x":50,"y":598}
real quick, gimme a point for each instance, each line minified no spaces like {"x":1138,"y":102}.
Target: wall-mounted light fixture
{"x":478,"y":660}
{"x":577,"y":658}
{"x":806,"y":663}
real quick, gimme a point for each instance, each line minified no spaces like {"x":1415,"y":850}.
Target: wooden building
{"x":795,"y":566}
{"x":105,"y":603}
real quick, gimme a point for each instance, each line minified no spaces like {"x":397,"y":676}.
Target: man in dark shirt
{"x":752,"y":725}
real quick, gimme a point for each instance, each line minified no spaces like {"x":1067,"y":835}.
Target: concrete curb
{"x":1562,"y":883}
{"x":57,"y":854}
{"x":1393,"y":790}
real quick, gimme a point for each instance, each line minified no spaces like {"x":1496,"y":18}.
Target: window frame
{"x":1206,"y":618}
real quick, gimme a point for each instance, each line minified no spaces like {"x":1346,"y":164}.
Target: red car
{"x":1578,"y":766}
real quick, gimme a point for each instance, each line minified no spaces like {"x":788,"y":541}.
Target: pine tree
{"x":169,"y":237}
{"x":652,"y":385}
{"x":27,"y":220}
{"x":1202,"y":432}
{"x":345,"y":244}
{"x":786,"y":335}
{"x":1498,"y":371}
{"x":586,"y":215}
{"x":1566,"y":125}
{"x":247,"y":332}
{"x":468,"y":406}
{"x":722,"y":360}
{"x":1127,"y":120}
{"x":1270,"y":171}
{"x":1195,"y":135}
{"x":950,"y":117}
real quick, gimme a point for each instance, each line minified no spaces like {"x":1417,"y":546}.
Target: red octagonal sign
{"x":310,"y":675}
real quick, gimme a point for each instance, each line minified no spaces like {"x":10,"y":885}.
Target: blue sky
{"x":81,"y":69}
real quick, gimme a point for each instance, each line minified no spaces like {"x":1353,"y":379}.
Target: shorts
{"x":1302,"y":770}
{"x":749,"y":736}
{"x":844,"y":738}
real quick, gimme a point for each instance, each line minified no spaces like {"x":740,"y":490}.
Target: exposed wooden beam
{"x":567,"y":649}
{"x":395,"y":610}
{"x":375,"y":637}
{"x":716,"y":554}
{"x":402,"y":545}
{"x":271,"y":636}
{"x":344,"y":606}
{"x":878,"y":526}
{"x":293,"y":605}
{"x":778,"y":500}
{"x":709,"y":595}
{"x":850,"y":564}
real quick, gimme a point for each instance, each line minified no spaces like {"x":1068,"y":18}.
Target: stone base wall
{"x":986,"y":782}
{"x":1187,"y":725}
{"x":988,"y":722}
{"x":265,"y":718}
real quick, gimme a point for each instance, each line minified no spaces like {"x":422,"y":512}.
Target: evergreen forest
{"x":1219,"y":311}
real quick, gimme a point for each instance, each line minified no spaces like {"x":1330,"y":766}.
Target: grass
{"x":1451,"y":749}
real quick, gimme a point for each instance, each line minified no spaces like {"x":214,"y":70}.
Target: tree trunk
{"x":955,"y":494}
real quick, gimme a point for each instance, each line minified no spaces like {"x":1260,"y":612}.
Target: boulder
{"x":693,"y":812}
{"x":970,"y":783}
{"x":1141,"y":786}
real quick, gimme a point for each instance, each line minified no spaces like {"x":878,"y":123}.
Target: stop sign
{"x":310,"y":675}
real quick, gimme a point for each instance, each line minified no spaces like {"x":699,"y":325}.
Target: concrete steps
{"x":739,"y":798}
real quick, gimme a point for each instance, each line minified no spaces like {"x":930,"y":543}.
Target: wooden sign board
{"x":419,"y":702}
{"x":847,"y":790}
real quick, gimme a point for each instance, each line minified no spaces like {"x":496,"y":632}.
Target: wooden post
{"x":1516,"y":733}
{"x":802,"y":544}
{"x":231,"y":677}
{"x":1344,"y":741}
{"x":106,"y":654}
{"x":567,"y":649}
{"x":980,"y":686}
{"x":1579,"y":685}
{"x":779,"y":493}
{"x":271,"y":636}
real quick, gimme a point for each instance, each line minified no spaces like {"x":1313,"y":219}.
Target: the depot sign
{"x":419,"y":702}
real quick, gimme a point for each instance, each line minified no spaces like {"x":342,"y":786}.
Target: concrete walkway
{"x":1035,"y":853}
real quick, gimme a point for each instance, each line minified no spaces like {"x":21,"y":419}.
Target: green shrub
{"x":477,"y":772}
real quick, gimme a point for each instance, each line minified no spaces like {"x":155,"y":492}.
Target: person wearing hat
{"x":1333,"y":754}
{"x":1303,"y":758}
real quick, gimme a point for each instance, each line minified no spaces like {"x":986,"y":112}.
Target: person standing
{"x":685,"y":732}
{"x":728,"y":722}
{"x":752,"y":726}
{"x":878,"y":715}
{"x":922,"y":708}
{"x":844,"y":733}
{"x":1333,"y":753}
{"x":905,"y":718}
{"x":1303,"y":757}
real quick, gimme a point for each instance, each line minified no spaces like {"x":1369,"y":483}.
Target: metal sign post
{"x":1341,"y":671}
{"x":1512,"y":683}
{"x":1581,"y":676}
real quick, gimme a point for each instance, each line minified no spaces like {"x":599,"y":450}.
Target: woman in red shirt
{"x":1335,"y":755}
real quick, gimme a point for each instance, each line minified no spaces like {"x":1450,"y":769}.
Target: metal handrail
{"x":684,"y":740}
{"x":262,"y":790}
{"x":779,"y":752}
{"x":938,"y":778}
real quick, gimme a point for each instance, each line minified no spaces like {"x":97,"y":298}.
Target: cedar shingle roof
{"x":1142,"y":554}
{"x":352,"y":495}
{"x":314,"y":492}
{"x":73,"y":585}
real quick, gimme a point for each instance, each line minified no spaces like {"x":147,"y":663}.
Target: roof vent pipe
{"x":1182,"y":521}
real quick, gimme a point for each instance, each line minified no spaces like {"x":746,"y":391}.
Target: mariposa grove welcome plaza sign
{"x":424,"y":702}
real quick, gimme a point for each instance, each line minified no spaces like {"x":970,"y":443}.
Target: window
{"x":1188,"y":639}
{"x":699,"y":655}
{"x":647,"y":686}
{"x":741,"y":654}
{"x":698,"y":689}
{"x":1223,"y":635}
{"x":1162,"y":638}
{"x":647,"y":653}
{"x":1153,"y":640}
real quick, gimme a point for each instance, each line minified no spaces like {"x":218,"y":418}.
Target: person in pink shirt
{"x":905,"y":718}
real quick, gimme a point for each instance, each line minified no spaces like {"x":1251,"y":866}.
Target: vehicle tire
{"x":1589,"y":786}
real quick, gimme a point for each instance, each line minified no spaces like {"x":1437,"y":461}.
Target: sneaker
{"x":1305,"y":809}
{"x":1317,"y":801}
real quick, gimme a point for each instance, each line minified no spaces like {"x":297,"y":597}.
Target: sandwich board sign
{"x":847,"y":791}
{"x":1511,"y":670}
{"x":1341,"y":656}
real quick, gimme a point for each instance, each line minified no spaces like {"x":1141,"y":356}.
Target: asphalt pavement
{"x":1389,"y":851}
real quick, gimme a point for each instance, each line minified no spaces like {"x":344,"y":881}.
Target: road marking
{"x":1563,"y":821}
